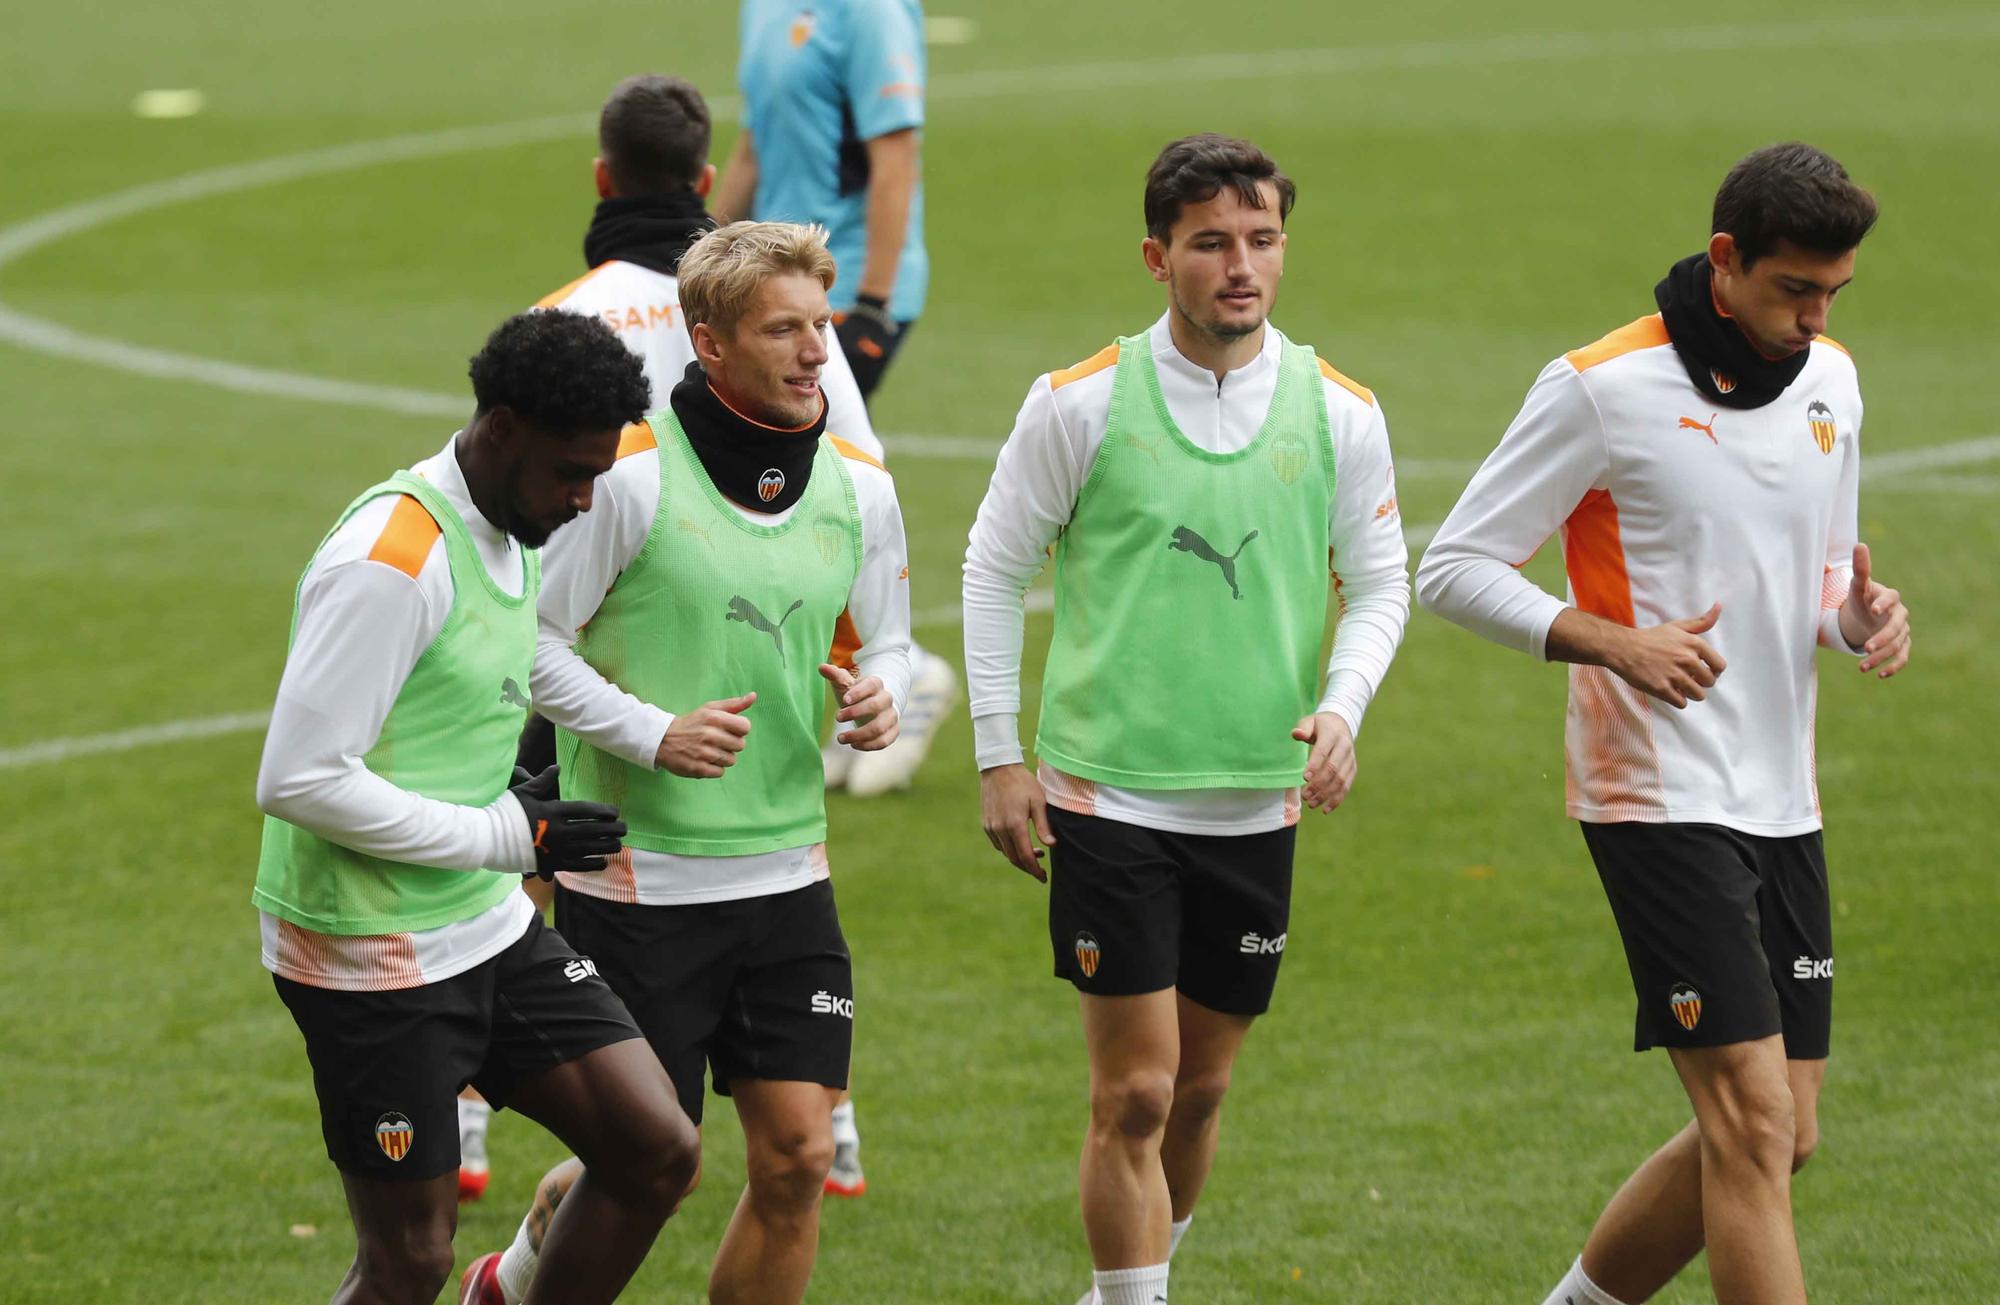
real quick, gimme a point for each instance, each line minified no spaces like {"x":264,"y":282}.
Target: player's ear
{"x":1155,"y":253}
{"x":601,"y":173}
{"x":705,"y":347}
{"x":706,"y":181}
{"x":1723,"y":255}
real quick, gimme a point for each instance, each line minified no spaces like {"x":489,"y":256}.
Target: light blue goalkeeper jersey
{"x":821,"y":78}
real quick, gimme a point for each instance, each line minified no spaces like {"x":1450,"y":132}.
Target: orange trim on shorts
{"x":1097,"y":362}
{"x":1648,"y":332}
{"x":1354,"y":388}
{"x":405,"y":542}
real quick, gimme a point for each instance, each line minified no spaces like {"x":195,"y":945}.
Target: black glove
{"x":867,"y":335}
{"x":574,"y":836}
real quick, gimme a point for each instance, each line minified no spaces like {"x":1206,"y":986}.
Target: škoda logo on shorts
{"x":1088,"y":954}
{"x":394,"y":1134}
{"x":1685,"y":1003}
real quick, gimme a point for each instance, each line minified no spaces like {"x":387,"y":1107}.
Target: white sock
{"x":517,"y":1267}
{"x":1147,"y":1286}
{"x":472,"y":1119}
{"x":1179,"y":1230}
{"x":1576,"y":1288}
{"x":844,"y":1131}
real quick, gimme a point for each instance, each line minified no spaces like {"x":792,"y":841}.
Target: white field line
{"x":51,"y":338}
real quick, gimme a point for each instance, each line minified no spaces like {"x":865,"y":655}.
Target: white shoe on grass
{"x":933,"y":693}
{"x":836,"y":759}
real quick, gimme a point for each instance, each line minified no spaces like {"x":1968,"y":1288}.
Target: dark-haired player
{"x":1702,"y":464}
{"x":1197,"y":481}
{"x":393,"y":847}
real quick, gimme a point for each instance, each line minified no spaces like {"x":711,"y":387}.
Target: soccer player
{"x":1702,"y":464}
{"x":685,"y":631}
{"x":1197,"y":483}
{"x":833,"y":97}
{"x":393,"y":849}
{"x":652,"y":176}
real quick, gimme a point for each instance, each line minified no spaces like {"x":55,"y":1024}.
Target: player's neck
{"x":474,"y":451}
{"x":1218,"y":354}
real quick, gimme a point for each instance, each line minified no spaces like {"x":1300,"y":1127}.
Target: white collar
{"x":1165,"y":354}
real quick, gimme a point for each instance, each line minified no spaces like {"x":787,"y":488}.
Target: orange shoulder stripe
{"x":555,"y":297}
{"x":405,"y":542}
{"x":1827,"y":339}
{"x":853,"y":453}
{"x":636,"y":438}
{"x":1090,"y":366}
{"x":1646,"y":333}
{"x":1354,"y":388}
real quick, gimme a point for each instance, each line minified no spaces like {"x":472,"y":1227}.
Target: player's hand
{"x":1874,"y":620}
{"x":1670,"y":661}
{"x":867,"y":335}
{"x":1014,"y":813}
{"x":1331,"y":764}
{"x":574,"y":836}
{"x":702,"y":743}
{"x":866,"y":701}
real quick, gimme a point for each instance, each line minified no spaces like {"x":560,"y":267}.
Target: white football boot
{"x":933,"y":693}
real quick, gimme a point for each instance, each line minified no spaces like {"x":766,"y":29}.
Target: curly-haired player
{"x":394,"y":846}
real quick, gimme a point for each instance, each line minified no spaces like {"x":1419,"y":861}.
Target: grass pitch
{"x":1442,"y":1098}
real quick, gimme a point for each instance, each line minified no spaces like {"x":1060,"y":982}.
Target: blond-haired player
{"x":683,"y":660}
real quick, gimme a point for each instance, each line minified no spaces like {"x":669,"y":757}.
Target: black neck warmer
{"x":761,"y":467}
{"x":652,"y":231}
{"x":1719,"y":358}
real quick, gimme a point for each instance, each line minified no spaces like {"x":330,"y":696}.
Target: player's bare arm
{"x":1874,"y":620}
{"x":893,"y":163}
{"x":1014,"y":812}
{"x":1331,"y":764}
{"x":738,"y":187}
{"x":1669,"y":661}
{"x":702,"y":743}
{"x":867,"y":701}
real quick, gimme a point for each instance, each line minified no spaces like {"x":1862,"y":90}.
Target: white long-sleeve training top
{"x":362,"y":625}
{"x":1040,"y":471}
{"x":581,"y":563}
{"x":1666,"y":506}
{"x":644,"y":308}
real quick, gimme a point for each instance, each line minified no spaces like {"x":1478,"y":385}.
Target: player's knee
{"x":789,"y":1168}
{"x":1198,"y":1097}
{"x":1753,"y":1120}
{"x":673,"y":1163}
{"x":1134,"y":1105}
{"x":1805,"y":1141}
{"x":410,"y":1265}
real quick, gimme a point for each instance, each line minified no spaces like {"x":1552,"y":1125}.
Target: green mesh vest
{"x":1191,"y":594}
{"x":450,"y":735}
{"x":713,"y":606}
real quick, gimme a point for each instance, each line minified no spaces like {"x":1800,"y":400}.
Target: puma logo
{"x":1689,"y":423}
{"x":510,"y":693}
{"x":1150,"y":450}
{"x":693,"y":529}
{"x":1187,"y":541}
{"x":742,"y":609}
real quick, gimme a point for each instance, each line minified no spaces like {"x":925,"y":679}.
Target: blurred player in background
{"x":833,"y":97}
{"x":651,"y":176}
{"x":1197,"y":483}
{"x":388,"y":881}
{"x":733,"y":532}
{"x":1702,"y":464}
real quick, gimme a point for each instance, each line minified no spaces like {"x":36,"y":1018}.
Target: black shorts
{"x":388,"y":1066}
{"x":1729,"y":935}
{"x":1135,"y":910}
{"x":756,"y":988}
